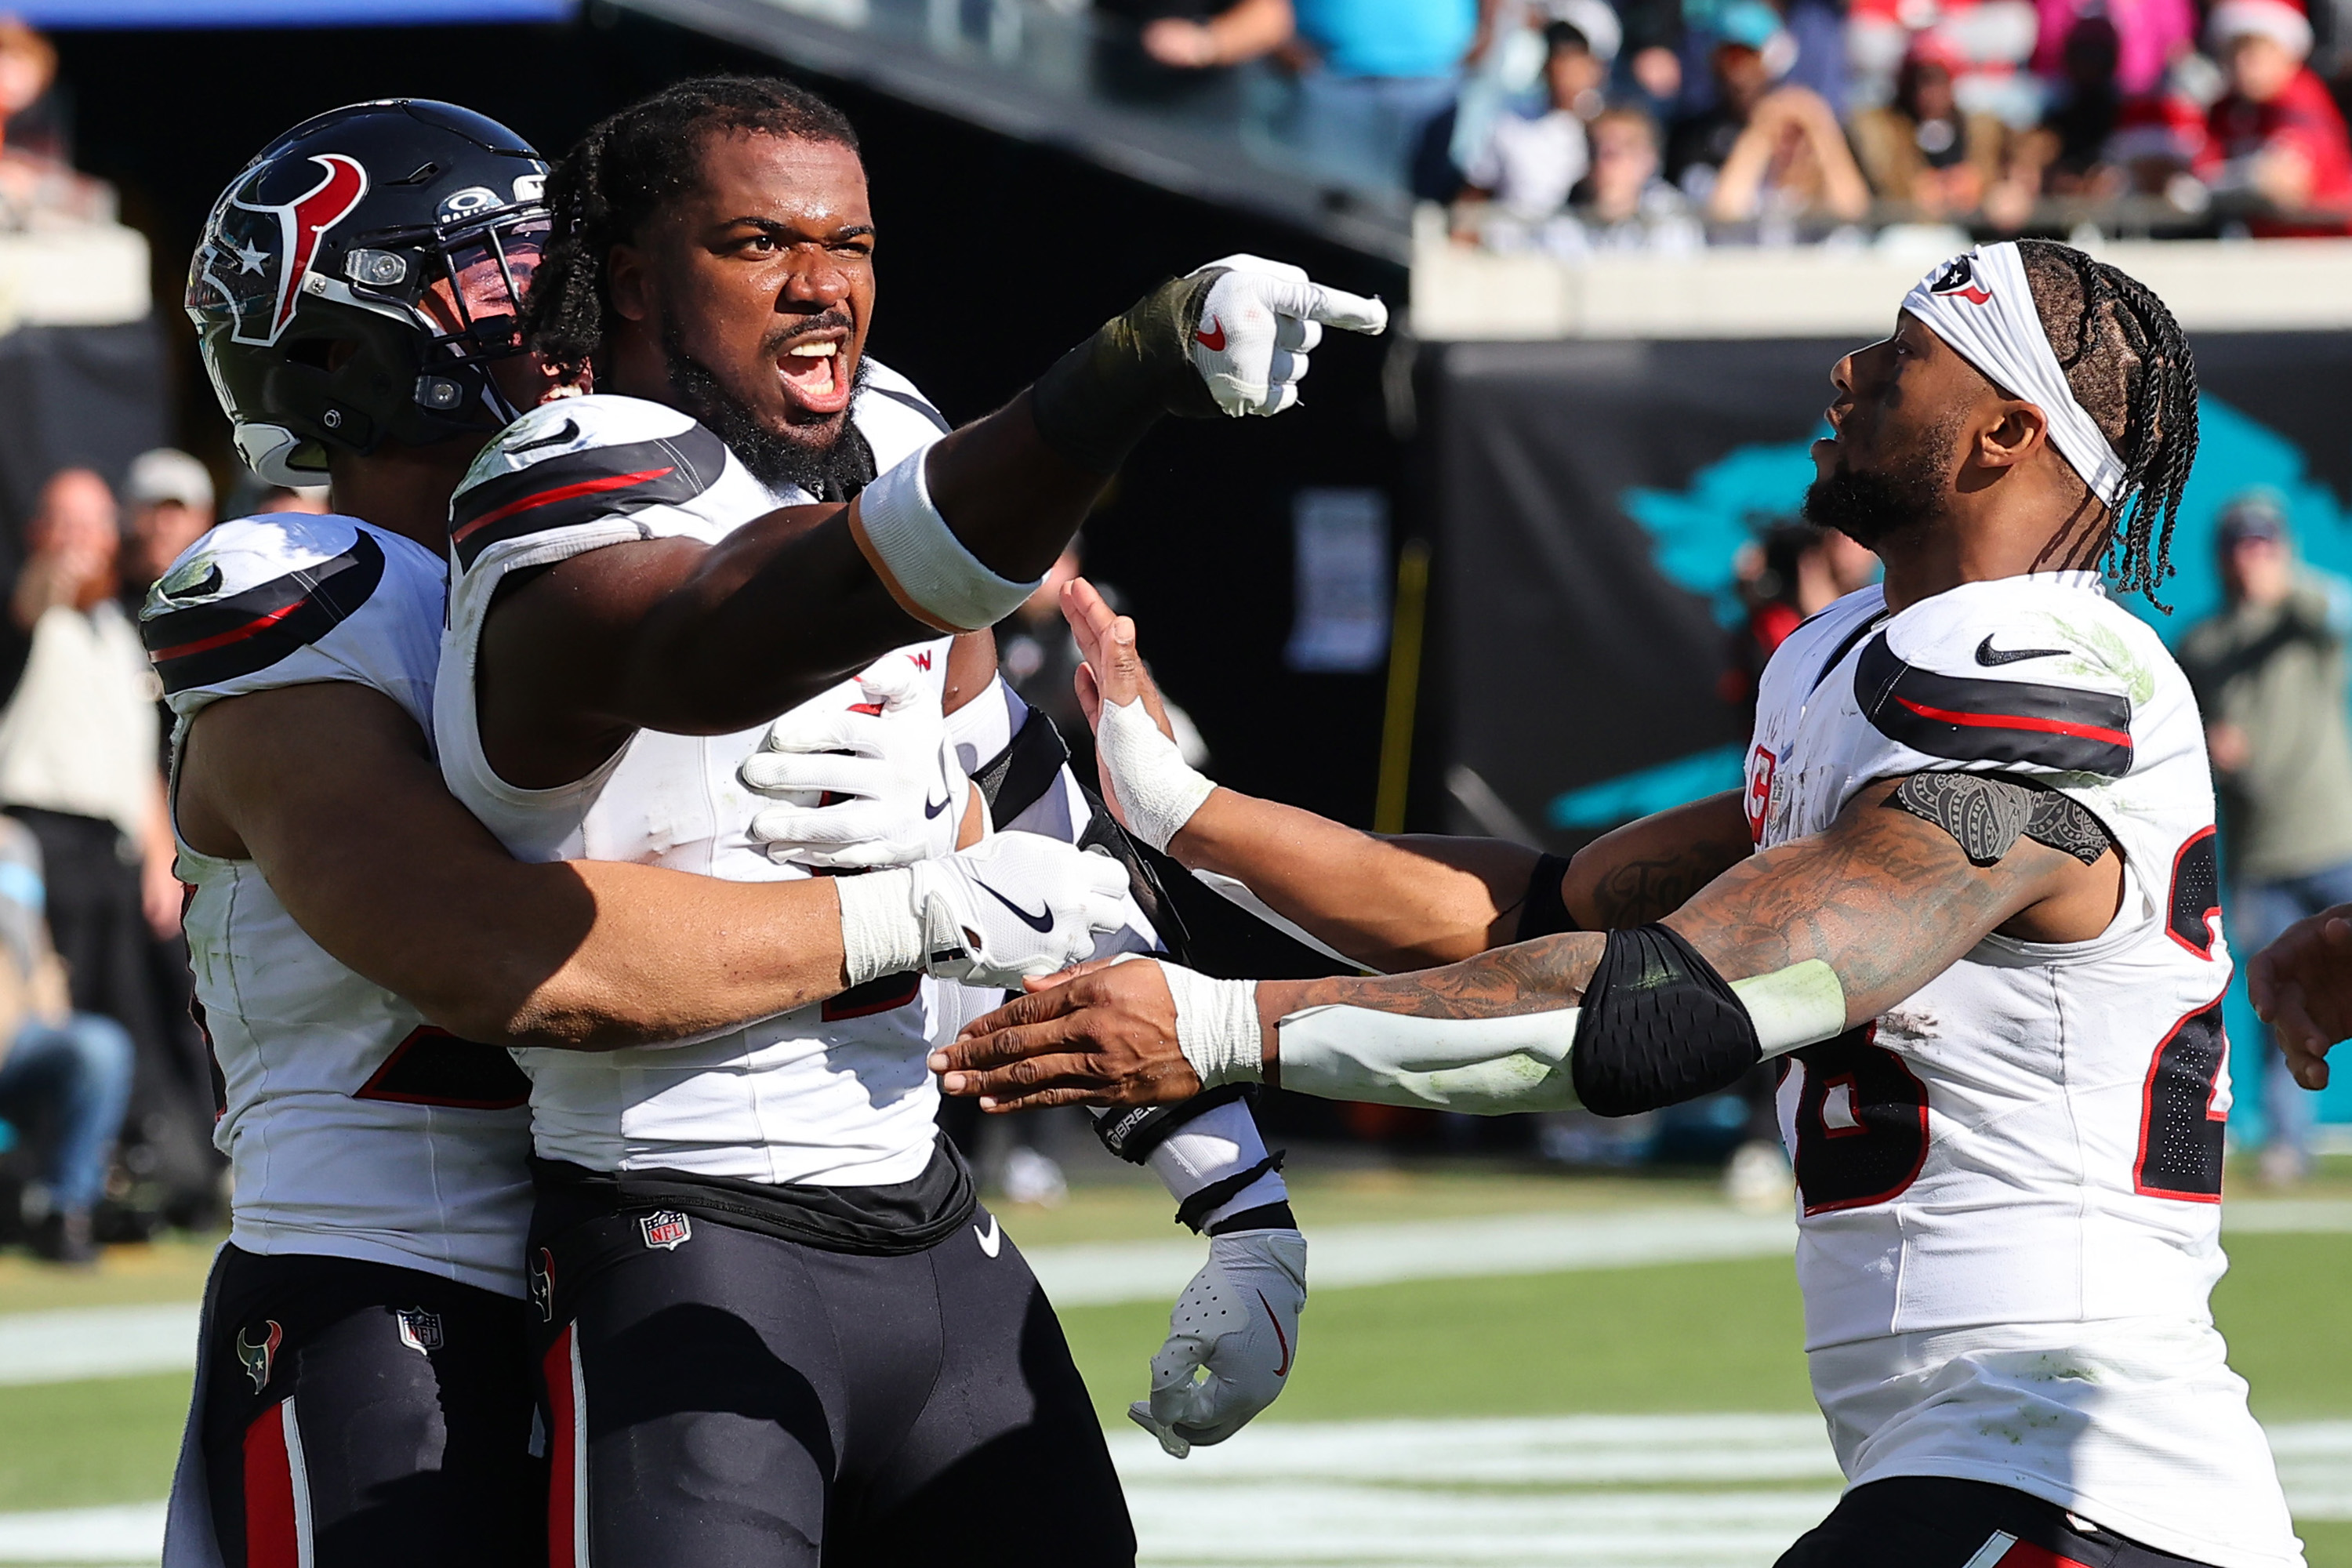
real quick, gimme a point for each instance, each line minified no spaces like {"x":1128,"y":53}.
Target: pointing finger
{"x":1349,"y":312}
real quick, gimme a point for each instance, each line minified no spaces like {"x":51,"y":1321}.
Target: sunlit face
{"x":2260,"y":68}
{"x":1887,"y":463}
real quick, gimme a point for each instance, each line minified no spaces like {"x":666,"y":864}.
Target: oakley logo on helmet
{"x":1960,"y":277}
{"x":466,"y":202}
{"x":258,"y":254}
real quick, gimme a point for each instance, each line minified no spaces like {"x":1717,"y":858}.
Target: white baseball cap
{"x":168,"y":474}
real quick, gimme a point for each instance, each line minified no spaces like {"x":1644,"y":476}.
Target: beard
{"x":1870,"y":508}
{"x":828,"y":458}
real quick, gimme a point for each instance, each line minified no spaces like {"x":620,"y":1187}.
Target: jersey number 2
{"x":2179,"y":1129}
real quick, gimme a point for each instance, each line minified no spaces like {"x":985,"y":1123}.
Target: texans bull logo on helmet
{"x":1960,"y":277}
{"x":258,"y":252}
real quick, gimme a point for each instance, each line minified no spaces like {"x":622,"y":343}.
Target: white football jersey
{"x":354,"y":1128}
{"x":832,"y":1095}
{"x":2011,"y":1183}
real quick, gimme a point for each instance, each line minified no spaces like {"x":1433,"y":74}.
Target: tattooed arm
{"x":1889,"y":900}
{"x":1646,"y":871}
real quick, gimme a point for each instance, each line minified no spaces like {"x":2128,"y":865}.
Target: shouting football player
{"x":363,"y":1395}
{"x":777,"y":1325}
{"x":1966,"y":897}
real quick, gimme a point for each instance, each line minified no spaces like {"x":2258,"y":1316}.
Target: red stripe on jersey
{"x":2016,"y":721}
{"x":562,"y":493}
{"x":567,"y":1514}
{"x":273,"y":1514}
{"x":2025,"y":1555}
{"x":222,"y":639}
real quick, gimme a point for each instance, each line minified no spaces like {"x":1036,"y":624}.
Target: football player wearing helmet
{"x":1967,"y":900}
{"x":777,"y":1324}
{"x":363,"y":1394}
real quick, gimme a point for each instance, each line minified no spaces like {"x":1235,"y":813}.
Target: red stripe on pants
{"x":564,"y":1550}
{"x":272,"y":1537}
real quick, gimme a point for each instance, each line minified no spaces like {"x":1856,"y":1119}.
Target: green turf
{"x":2288,"y":1317}
{"x":67,"y":1445}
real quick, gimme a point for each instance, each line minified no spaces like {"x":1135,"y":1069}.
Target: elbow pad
{"x":1658,"y":1026}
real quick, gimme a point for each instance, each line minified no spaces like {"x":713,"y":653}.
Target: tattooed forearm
{"x":1647,"y":869}
{"x":1526,"y":977}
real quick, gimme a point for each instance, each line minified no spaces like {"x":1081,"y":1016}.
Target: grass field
{"x":1688,"y":1338}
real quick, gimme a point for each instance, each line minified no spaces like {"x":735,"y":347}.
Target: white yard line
{"x":1580,"y":1491}
{"x":96,"y":1341}
{"x":126,"y":1533}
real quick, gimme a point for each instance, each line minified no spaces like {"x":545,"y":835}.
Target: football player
{"x":1967,"y":900}
{"x":776,"y":1323}
{"x":363,"y":1394}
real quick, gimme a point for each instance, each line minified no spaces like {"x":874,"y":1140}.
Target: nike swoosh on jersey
{"x":571,"y":432}
{"x":1988,"y":656}
{"x":1043,"y":921}
{"x":990,"y":1238}
{"x":1214,"y":339}
{"x":931,"y":811}
{"x":1278,"y":1336}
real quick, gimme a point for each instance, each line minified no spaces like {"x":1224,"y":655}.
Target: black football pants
{"x":356,"y":1414}
{"x":1932,"y":1521}
{"x":731,"y":1399}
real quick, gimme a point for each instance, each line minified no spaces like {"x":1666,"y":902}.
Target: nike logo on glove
{"x":571,"y":432}
{"x":931,"y":811}
{"x":990,"y":1239}
{"x":1279,"y":1338}
{"x":1214,"y":339}
{"x":1988,"y":656}
{"x":1042,"y":921}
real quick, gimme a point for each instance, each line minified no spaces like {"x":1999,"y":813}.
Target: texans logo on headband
{"x":258,"y":252}
{"x":1959,"y":277}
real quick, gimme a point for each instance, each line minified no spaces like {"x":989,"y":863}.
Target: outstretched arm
{"x":1886,"y":898}
{"x":673,"y":635}
{"x":1390,"y":902}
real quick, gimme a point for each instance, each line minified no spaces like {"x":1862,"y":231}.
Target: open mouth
{"x":815,"y":376}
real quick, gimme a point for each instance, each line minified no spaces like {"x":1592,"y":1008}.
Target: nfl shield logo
{"x":420,"y":1331}
{"x":666,"y":1228}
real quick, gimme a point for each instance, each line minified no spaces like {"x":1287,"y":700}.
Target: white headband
{"x":1981,"y":306}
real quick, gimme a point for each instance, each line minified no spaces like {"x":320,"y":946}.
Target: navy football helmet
{"x":358,"y":277}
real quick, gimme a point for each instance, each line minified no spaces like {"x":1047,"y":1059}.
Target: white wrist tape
{"x":924,"y":564}
{"x":1158,"y":788}
{"x":1216,"y":1025}
{"x":1218,"y":1143}
{"x":880,"y":932}
{"x":1493,"y":1065}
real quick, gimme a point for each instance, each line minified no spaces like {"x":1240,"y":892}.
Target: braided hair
{"x":2128,"y":364}
{"x":623,"y":171}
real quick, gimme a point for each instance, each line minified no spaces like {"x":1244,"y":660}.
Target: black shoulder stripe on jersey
{"x":433,"y":1067}
{"x":223,"y":639}
{"x":1974,"y":720}
{"x":915,"y":403}
{"x":582,"y":487}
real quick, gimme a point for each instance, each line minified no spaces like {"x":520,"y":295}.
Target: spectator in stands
{"x":171,"y":499}
{"x":2275,"y":135}
{"x":78,"y":764}
{"x":1747,"y":55}
{"x":1527,"y":164}
{"x":1627,"y":205}
{"x":1788,"y":161}
{"x":1925,"y":150}
{"x":1375,"y":74}
{"x":64,"y":1073}
{"x":2149,"y":35}
{"x":2269,"y":675}
{"x":2070,"y":150}
{"x":1989,"y":42}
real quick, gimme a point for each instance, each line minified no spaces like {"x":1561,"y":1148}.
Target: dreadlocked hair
{"x":623,"y":171}
{"x":2129,"y":366}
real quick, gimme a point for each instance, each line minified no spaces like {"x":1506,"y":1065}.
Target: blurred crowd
{"x":1581,"y":125}
{"x":106,"y":1091}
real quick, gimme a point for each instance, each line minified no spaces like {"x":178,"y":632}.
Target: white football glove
{"x":1237,"y":1323}
{"x":901,"y":792}
{"x":1257,"y":324}
{"x":1012,"y":906}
